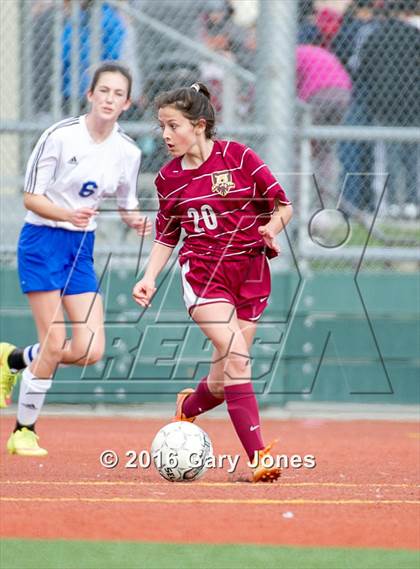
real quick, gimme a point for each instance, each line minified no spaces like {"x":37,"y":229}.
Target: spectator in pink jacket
{"x":323,"y":83}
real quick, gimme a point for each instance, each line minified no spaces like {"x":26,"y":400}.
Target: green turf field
{"x":60,"y":554}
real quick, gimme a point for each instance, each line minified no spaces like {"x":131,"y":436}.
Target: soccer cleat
{"x":24,"y":442}
{"x":7,"y":377}
{"x":266,"y":469}
{"x":180,"y":398}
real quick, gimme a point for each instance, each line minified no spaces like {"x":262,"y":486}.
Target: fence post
{"x":57,"y":82}
{"x":26,"y":77}
{"x":304,"y":189}
{"x":75,"y":59}
{"x":96,"y":33}
{"x":230,"y":98}
{"x":276,"y":35}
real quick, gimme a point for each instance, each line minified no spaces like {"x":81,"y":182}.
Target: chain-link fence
{"x":326,"y":91}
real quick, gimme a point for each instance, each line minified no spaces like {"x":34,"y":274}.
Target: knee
{"x":82,"y":355}
{"x":218,"y":389}
{"x":238,"y":362}
{"x":52,"y":348}
{"x":94,"y":355}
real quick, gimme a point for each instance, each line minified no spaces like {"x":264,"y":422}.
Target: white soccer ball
{"x":180,"y":451}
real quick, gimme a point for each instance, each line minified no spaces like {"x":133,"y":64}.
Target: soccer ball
{"x":180,"y":450}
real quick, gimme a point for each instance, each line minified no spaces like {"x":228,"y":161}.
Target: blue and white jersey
{"x":74,"y":171}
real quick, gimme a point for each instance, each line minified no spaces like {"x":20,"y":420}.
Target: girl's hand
{"x":269,"y":237}
{"x":142,"y":226}
{"x":143,"y":292}
{"x":81,"y":217}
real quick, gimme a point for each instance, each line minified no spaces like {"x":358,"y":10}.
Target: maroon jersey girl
{"x":231,"y":209}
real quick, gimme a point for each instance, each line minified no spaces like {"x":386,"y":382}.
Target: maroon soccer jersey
{"x":220,"y":205}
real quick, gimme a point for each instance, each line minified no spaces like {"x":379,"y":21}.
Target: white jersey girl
{"x":75,"y":164}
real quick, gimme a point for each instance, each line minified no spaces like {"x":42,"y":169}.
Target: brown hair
{"x":193,"y":102}
{"x":112,"y":67}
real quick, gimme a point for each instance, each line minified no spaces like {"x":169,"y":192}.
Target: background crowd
{"x":357,"y":63}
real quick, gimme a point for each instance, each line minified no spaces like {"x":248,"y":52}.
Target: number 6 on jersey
{"x":88,"y":189}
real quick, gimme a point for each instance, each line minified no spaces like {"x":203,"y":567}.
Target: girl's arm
{"x":271,"y":191}
{"x":142,"y":225}
{"x":42,"y":206}
{"x":40,"y":172}
{"x":127,"y":195}
{"x":278,"y":221}
{"x":145,"y":288}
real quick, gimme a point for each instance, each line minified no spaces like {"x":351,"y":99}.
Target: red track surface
{"x":363,"y":492}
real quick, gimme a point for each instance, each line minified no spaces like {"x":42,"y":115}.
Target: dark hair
{"x":193,"y":102}
{"x":112,"y":67}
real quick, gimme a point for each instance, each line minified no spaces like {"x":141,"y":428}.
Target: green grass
{"x":390,"y":229}
{"x":63,"y":554}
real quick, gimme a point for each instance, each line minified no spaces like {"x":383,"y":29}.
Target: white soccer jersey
{"x":74,"y":171}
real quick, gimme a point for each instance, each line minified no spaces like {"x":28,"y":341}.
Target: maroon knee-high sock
{"x":243,"y":410}
{"x":201,"y":400}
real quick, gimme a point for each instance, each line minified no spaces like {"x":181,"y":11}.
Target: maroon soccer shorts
{"x":244,"y":282}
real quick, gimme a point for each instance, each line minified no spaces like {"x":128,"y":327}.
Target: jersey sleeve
{"x":267,"y":185}
{"x":42,"y":164}
{"x":168,"y":226}
{"x":127,"y":189}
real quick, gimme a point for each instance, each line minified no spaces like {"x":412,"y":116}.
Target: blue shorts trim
{"x":51,"y":258}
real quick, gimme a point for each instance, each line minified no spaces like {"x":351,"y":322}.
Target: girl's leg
{"x":88,"y":339}
{"x":216,"y":375}
{"x":47,"y":311}
{"x":86,"y":314}
{"x":248,"y":330}
{"x":49,"y":320}
{"x":210,"y":392}
{"x":262,"y":471}
{"x":220,"y":324}
{"x":37,"y":378}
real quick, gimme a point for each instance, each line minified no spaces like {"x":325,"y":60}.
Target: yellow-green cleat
{"x":7,"y":377}
{"x":24,"y":442}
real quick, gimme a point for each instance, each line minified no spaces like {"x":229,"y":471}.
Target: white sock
{"x":31,"y":397}
{"x":30,"y":353}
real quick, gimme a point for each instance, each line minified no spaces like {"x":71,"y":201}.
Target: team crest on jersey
{"x":222,"y":182}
